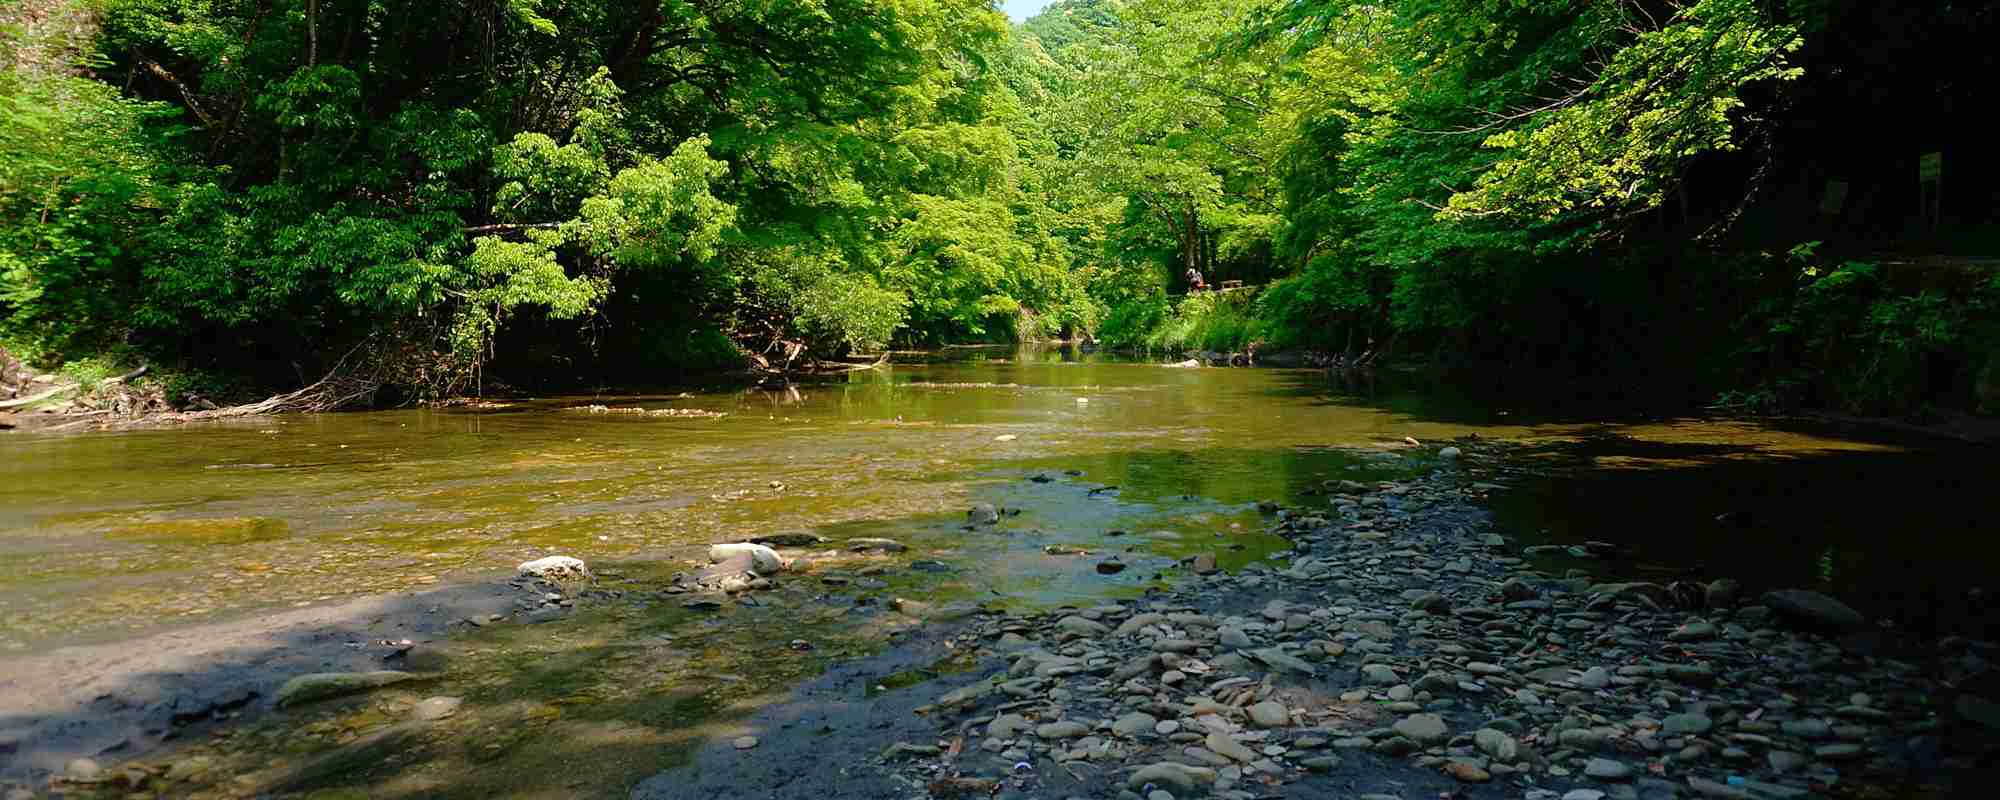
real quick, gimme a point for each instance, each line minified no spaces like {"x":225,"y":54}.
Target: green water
{"x":110,"y":535}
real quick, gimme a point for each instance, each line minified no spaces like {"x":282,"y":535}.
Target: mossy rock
{"x":324,"y":685}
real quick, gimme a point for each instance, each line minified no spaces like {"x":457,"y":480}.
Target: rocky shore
{"x":1403,"y":652}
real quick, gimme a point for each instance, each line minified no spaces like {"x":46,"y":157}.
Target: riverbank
{"x":1404,"y":652}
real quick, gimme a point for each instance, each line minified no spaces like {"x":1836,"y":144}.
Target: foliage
{"x":533,"y":186}
{"x":1857,"y":338}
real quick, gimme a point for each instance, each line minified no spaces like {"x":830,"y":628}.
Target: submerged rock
{"x":983,"y":514}
{"x":324,"y":685}
{"x":1813,"y":609}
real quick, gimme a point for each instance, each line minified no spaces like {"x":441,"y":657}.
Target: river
{"x":111,"y":536}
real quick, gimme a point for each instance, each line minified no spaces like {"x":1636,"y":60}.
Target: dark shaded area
{"x":1900,"y":535}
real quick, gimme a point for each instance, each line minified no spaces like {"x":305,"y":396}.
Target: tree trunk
{"x":1191,"y":242}
{"x":312,"y":33}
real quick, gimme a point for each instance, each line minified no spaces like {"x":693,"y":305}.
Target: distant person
{"x":1195,"y":283}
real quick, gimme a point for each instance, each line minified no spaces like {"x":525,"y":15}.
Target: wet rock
{"x":1467,"y":773}
{"x":1204,"y":564}
{"x":1449,"y":453}
{"x":1180,"y":777}
{"x":1605,"y":769}
{"x":1380,"y":675}
{"x":189,"y":708}
{"x":1515,"y":590}
{"x":1721,"y":593}
{"x":763,"y":560}
{"x":1594,"y":678}
{"x":1686,"y":725}
{"x":1065,"y":729}
{"x":1497,"y":745}
{"x":1837,"y":752}
{"x":789,"y":540}
{"x":1424,"y":729}
{"x":906,"y":750}
{"x":1698,"y":631}
{"x":324,"y":685}
{"x":1082,"y":627}
{"x":1008,"y":726}
{"x":555,"y":568}
{"x":1583,"y":739}
{"x":1431,"y":603}
{"x":983,"y":514}
{"x":1136,"y":723}
{"x":1229,"y":748}
{"x":1320,"y":763}
{"x":1718,"y":791}
{"x":1813,"y":610}
{"x":864,"y":544}
{"x":1279,"y":660}
{"x":1110,"y":566}
{"x":1137,"y":621}
{"x":744,"y":742}
{"x":1270,"y":714}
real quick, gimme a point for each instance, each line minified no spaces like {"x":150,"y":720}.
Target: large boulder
{"x":1814,"y":610}
{"x":763,"y":560}
{"x":556,"y":568}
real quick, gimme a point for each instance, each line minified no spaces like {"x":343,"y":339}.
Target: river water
{"x":108,"y":535}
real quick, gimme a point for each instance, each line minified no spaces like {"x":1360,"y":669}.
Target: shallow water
{"x":108,"y":535}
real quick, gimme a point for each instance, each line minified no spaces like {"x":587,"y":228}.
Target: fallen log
{"x":36,"y":398}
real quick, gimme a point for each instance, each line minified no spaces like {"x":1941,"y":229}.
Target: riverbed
{"x":121,"y":537}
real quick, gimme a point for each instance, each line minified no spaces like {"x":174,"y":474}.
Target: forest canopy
{"x":551,"y":191}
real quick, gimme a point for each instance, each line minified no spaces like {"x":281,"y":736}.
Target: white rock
{"x":556,"y":568}
{"x":436,"y":708}
{"x":762,"y":559}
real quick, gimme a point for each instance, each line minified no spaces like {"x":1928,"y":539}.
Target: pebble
{"x":1424,"y":626}
{"x":745,"y":742}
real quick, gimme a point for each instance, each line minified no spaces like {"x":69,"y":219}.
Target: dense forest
{"x":1770,"y":203}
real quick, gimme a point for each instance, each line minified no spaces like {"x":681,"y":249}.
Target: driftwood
{"x":326,"y":394}
{"x":838,"y":367}
{"x":36,"y":398}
